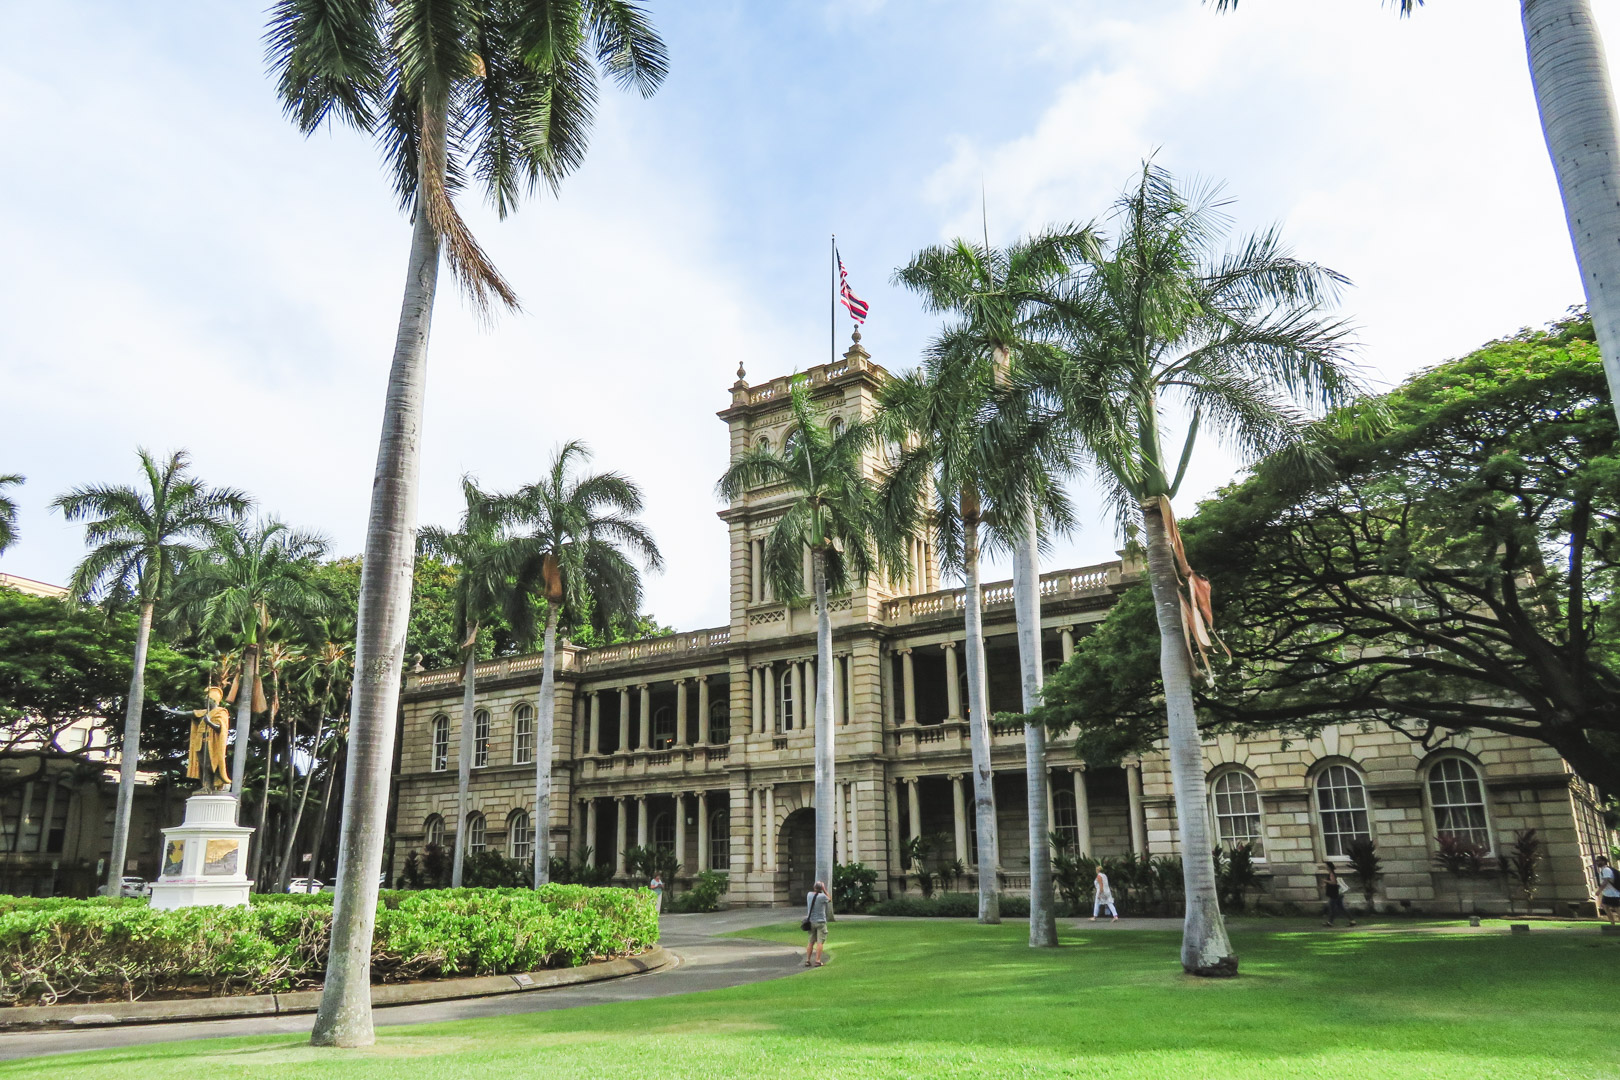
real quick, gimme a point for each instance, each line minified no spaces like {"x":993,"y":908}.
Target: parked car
{"x":134,"y":886}
{"x":304,"y":885}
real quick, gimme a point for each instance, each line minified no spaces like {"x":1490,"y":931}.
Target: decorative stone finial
{"x":856,"y":354}
{"x":742,"y":372}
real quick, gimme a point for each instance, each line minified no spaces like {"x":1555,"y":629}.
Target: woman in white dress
{"x":1103,"y":897}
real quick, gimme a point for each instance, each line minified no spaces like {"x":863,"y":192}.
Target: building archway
{"x":798,"y":843}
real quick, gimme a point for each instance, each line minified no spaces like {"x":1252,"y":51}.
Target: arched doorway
{"x":798,"y":843}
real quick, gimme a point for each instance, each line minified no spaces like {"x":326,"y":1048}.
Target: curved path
{"x":704,"y":962}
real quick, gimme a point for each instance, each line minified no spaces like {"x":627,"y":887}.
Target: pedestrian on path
{"x":1102,"y":897}
{"x":657,"y":886}
{"x":1335,"y":899}
{"x":815,"y":923}
{"x":1608,"y":890}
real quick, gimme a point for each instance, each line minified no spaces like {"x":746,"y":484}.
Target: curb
{"x":103,"y":1014}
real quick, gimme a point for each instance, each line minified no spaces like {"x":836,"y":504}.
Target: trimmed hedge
{"x":959,"y":905}
{"x":55,"y":950}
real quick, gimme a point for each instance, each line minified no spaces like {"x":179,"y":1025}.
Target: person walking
{"x":1335,"y":899}
{"x":657,"y":886}
{"x":1102,"y":896}
{"x":1608,"y":890}
{"x":815,"y":921}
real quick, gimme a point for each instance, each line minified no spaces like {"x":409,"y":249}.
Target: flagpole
{"x":832,"y":303}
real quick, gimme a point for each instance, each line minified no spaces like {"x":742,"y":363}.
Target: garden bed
{"x":56,"y":951}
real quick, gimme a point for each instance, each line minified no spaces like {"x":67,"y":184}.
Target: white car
{"x":304,"y":885}
{"x":133,"y":886}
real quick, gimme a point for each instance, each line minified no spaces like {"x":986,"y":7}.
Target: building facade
{"x":701,"y":741}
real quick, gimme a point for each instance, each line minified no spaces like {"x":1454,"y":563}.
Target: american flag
{"x":846,"y":296}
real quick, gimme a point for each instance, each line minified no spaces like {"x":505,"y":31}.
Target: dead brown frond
{"x":467,"y":261}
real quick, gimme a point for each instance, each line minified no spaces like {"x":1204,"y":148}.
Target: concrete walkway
{"x":706,"y":962}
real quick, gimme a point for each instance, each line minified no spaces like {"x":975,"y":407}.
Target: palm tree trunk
{"x":244,"y":722}
{"x":257,"y":840}
{"x":544,"y":719}
{"x":344,"y":1017}
{"x":823,"y":720}
{"x":984,"y":792}
{"x":326,"y":806}
{"x":469,"y":691}
{"x":284,"y":874}
{"x":129,"y":756}
{"x":1027,"y":604}
{"x":1205,"y":949}
{"x":1573,"y":93}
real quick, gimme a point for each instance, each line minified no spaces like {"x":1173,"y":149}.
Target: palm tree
{"x":140,"y":538}
{"x":501,"y":90}
{"x":834,"y":513}
{"x":332,"y":666}
{"x":1575,"y":98}
{"x":8,"y":511}
{"x":578,"y":553}
{"x":249,"y":577}
{"x":1237,"y":338}
{"x":483,"y":584}
{"x":1005,"y":302}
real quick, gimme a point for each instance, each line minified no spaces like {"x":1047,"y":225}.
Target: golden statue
{"x":209,"y":729}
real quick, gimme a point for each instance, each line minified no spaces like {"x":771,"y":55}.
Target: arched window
{"x":1065,"y":820}
{"x":522,"y":735}
{"x":1235,"y":800}
{"x":764,"y":444}
{"x":836,"y":427}
{"x":720,"y":840}
{"x":663,"y":832}
{"x":475,"y":832}
{"x":519,"y":837}
{"x":790,"y":442}
{"x":441,"y":743}
{"x":719,"y":721}
{"x":480,"y":738}
{"x":1458,"y":801}
{"x":663,"y":728}
{"x":433,"y":832}
{"x":1341,"y":801}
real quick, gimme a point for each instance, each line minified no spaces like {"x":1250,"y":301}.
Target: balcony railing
{"x":691,"y":643}
{"x":1061,"y":585}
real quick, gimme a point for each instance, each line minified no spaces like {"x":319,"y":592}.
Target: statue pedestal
{"x":204,"y":857}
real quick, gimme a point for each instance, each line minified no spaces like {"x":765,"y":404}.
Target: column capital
{"x":1132,"y":763}
{"x":1069,"y":628}
{"x":641,"y":798}
{"x":905,"y":651}
{"x":948,"y":644}
{"x":643,"y":686}
{"x":955,"y":776}
{"x":701,"y":678}
{"x":912,"y":780}
{"x":1080,"y":767}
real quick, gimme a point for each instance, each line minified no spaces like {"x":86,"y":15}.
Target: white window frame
{"x":1219,"y":816}
{"x":1066,"y":817}
{"x":1481,"y":832}
{"x":433,"y":830}
{"x":481,"y":728}
{"x":441,"y":743}
{"x":662,"y":733}
{"x":720,"y":839}
{"x":520,"y":836}
{"x":523,"y":734}
{"x":720,"y":709}
{"x":1340,"y":837}
{"x":477,"y":832}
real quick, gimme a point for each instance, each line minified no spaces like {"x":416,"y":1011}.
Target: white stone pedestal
{"x":204,"y":857}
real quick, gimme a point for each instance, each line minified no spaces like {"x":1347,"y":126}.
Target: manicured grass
{"x":933,"y":999}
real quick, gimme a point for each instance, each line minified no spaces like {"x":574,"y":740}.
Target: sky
{"x":185,"y":270}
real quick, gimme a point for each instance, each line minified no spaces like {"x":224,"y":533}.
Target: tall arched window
{"x":835,"y":427}
{"x":790,"y":443}
{"x":663,"y":832}
{"x":663,"y":728}
{"x":475,"y":831}
{"x":719,"y":721}
{"x":720,"y":840}
{"x":764,"y":443}
{"x":1235,"y":800}
{"x":522,"y":735}
{"x":1341,"y":801}
{"x":480,"y":738}
{"x":1458,"y":801}
{"x":1065,"y":820}
{"x":433,"y":832}
{"x":519,"y":837}
{"x":441,"y":743}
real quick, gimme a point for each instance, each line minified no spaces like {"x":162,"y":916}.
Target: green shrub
{"x":854,"y":887}
{"x":704,"y":895}
{"x":95,"y":949}
{"x":945,"y":905}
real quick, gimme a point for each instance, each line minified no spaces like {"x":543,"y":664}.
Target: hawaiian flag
{"x":846,"y":296}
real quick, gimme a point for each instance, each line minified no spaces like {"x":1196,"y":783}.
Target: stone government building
{"x":701,"y":741}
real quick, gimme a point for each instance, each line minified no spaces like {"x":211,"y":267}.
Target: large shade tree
{"x":832,"y":511}
{"x":1236,"y":339}
{"x":477,"y":550}
{"x":501,"y":93}
{"x":1006,"y":303}
{"x":141,"y":537}
{"x":577,"y":544}
{"x":1575,"y":98}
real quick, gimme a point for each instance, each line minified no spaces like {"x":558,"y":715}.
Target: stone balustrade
{"x":1061,"y":585}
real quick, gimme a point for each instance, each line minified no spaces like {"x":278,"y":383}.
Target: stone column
{"x":1082,"y":811}
{"x":625,"y":730}
{"x":810,"y":695}
{"x":953,"y":686}
{"x":756,"y":683}
{"x":756,"y":808}
{"x":1066,"y":634}
{"x":680,"y":828}
{"x":840,"y":842}
{"x":682,"y":735}
{"x":620,"y":831}
{"x":703,"y":831}
{"x":894,"y":825}
{"x":959,"y":805}
{"x":770,"y":699}
{"x":590,"y":831}
{"x":770,"y":828}
{"x":852,"y":824}
{"x":836,"y":705}
{"x":797,"y":670}
{"x":1051,"y":807}
{"x":1133,"y":786}
{"x":886,"y":658}
{"x":596,"y":721}
{"x":915,"y":808}
{"x":908,"y":678}
{"x":644,"y":721}
{"x":704,"y":735}
{"x":641,"y":821}
{"x":757,"y":568}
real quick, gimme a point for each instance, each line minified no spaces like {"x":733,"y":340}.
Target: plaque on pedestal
{"x":204,"y":857}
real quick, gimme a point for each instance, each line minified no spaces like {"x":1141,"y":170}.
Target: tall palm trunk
{"x":984,"y":792}
{"x":1576,"y":101}
{"x":469,"y":691}
{"x":344,"y":1018}
{"x":249,"y":677}
{"x":825,"y":853}
{"x":543,"y":739}
{"x":1205,"y":949}
{"x":317,"y":848}
{"x":130,"y":754}
{"x":259,"y":841}
{"x":296,"y":811}
{"x":1027,"y":604}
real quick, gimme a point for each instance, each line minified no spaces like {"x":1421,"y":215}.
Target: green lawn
{"x":933,"y":999}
